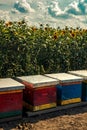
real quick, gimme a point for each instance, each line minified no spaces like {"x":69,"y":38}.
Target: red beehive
{"x":11,"y":97}
{"x":39,"y":90}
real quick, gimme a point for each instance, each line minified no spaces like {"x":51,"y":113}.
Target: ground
{"x":70,"y":119}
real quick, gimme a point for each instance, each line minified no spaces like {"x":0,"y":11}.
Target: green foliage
{"x":28,"y":50}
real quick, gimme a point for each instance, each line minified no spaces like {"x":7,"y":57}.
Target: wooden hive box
{"x":39,"y":93}
{"x":83,"y":74}
{"x":11,"y":98}
{"x":68,"y":89}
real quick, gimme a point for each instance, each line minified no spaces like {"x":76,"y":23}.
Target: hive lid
{"x":64,"y":77}
{"x":7,"y":84}
{"x":38,"y":80}
{"x":81,"y":73}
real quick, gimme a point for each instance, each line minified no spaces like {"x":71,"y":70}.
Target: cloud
{"x":75,"y":8}
{"x":47,"y":12}
{"x":23,"y":6}
{"x":15,"y":11}
{"x":4,"y":15}
{"x":55,"y":10}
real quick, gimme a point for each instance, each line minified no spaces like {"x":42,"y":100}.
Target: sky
{"x":56,"y":13}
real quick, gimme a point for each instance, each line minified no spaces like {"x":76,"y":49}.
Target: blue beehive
{"x":68,"y":89}
{"x":83,"y":74}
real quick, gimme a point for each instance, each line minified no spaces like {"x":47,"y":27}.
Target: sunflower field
{"x":28,"y":50}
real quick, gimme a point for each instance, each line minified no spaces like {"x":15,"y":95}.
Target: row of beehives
{"x":39,"y":92}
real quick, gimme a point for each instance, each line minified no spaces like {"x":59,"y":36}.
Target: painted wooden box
{"x":68,"y":89}
{"x":11,"y":97}
{"x":83,"y":74}
{"x":39,"y":93}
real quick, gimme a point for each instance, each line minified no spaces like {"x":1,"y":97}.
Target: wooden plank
{"x":80,"y":73}
{"x":11,"y":102}
{"x":64,"y":77}
{"x":11,"y":91}
{"x":7,"y":84}
{"x":10,"y":118}
{"x":37,"y":81}
{"x":58,"y":108}
{"x":69,"y":101}
{"x":40,"y":96}
{"x":10,"y":114}
{"x":40,"y":107}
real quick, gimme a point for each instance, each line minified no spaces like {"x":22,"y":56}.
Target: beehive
{"x":11,"y":98}
{"x":68,"y":89}
{"x":39,"y":93}
{"x":83,"y":74}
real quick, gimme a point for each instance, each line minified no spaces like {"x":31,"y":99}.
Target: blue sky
{"x":54,"y":12}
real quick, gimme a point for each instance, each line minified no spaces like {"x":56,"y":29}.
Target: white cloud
{"x":54,"y":9}
{"x":48,"y":12}
{"x":15,"y":11}
{"x":74,"y":8}
{"x":77,"y":7}
{"x":5,"y":15}
{"x":23,"y":6}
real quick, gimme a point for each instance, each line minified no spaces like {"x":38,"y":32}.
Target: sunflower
{"x":55,"y":35}
{"x":8,"y":23}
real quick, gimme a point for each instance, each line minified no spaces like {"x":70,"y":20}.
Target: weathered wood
{"x":7,"y":84}
{"x":13,"y":118}
{"x":56,"y":109}
{"x":39,"y":107}
{"x":39,"y":91}
{"x":11,"y":101}
{"x":36,"y":81}
{"x":80,"y":73}
{"x":11,"y":98}
{"x":64,"y":77}
{"x":69,"y":88}
{"x":83,"y":74}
